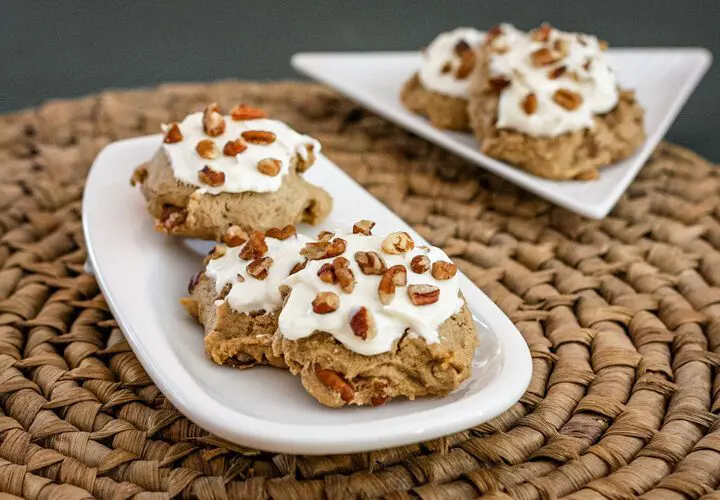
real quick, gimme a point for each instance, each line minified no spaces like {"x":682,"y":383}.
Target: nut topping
{"x":337,"y":247}
{"x":173,"y":134}
{"x":281,"y":234}
{"x":269,"y":166}
{"x":325,"y":303}
{"x":171,"y":217}
{"x":363,"y":227}
{"x":234,"y":148}
{"x":235,"y":236}
{"x":529,"y":104}
{"x":398,"y":274}
{"x":335,"y":382}
{"x":216,"y":252}
{"x":493,"y":33}
{"x":213,"y":121}
{"x":363,"y":324}
{"x":298,"y":267}
{"x":446,"y":68}
{"x":386,"y":289}
{"x":397,"y":243}
{"x":315,"y":250}
{"x":211,"y":177}
{"x":344,"y":275}
{"x":370,"y":263}
{"x":467,"y":63}
{"x":420,"y":264}
{"x":140,"y":175}
{"x":422,"y":295}
{"x":543,"y":57}
{"x":461,"y":47}
{"x":556,"y":73}
{"x":207,"y":149}
{"x":442,"y":270}
{"x":325,"y":235}
{"x":255,"y":247}
{"x":326,"y":273}
{"x":245,"y":112}
{"x":542,"y":34}
{"x":259,"y":268}
{"x":603,"y":44}
{"x":567,"y":99}
{"x":498,"y":83}
{"x":259,"y":137}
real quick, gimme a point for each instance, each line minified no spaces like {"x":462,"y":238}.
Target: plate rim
{"x":252,"y":431}
{"x":421,"y":127}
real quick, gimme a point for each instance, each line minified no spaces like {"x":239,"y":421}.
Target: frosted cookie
{"x":213,"y":172}
{"x":439,"y":90}
{"x":371,"y":318}
{"x":237,"y":298}
{"x":548,"y":102}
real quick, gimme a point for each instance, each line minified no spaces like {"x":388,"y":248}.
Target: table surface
{"x":622,"y":317}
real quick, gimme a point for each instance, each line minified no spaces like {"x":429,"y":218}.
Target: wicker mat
{"x":622,"y":317}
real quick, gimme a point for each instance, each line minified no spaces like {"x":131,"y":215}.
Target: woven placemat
{"x":621,"y":315}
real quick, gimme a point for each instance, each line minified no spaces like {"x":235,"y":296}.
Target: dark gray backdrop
{"x":58,"y":48}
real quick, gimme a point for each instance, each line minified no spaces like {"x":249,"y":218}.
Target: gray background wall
{"x":52,"y":49}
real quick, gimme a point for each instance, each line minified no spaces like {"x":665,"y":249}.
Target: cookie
{"x":547,"y":102}
{"x":439,"y":90}
{"x":372,"y":318}
{"x":236,"y":297}
{"x":213,"y":172}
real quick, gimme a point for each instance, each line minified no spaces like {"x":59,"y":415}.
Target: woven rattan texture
{"x":621,"y":316}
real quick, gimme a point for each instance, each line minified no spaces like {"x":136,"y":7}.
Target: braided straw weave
{"x":622,"y":317}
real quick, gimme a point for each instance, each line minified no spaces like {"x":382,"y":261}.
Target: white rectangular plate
{"x":144,"y":274}
{"x":663,"y":78}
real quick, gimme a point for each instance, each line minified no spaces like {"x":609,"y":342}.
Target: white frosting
{"x":597,"y":87}
{"x":241,"y":173}
{"x":253,"y":294}
{"x":297,"y":319}
{"x":441,"y":52}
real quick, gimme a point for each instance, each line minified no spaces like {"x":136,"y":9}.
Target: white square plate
{"x":663,"y":78}
{"x":143,"y":275}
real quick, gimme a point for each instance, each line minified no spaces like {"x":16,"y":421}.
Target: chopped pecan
{"x":259,"y":268}
{"x":173,"y":134}
{"x":194,"y":281}
{"x":370,"y":263}
{"x":344,"y":275}
{"x":326,"y":273}
{"x":543,"y":57}
{"x":336,"y":247}
{"x":397,"y":243}
{"x":281,"y":234}
{"x":335,"y":382}
{"x":298,"y":267}
{"x":386,"y":289}
{"x":556,"y":73}
{"x":398,"y":274}
{"x":213,"y":121}
{"x":529,"y":103}
{"x":325,"y":302}
{"x":442,"y":270}
{"x":240,"y":278}
{"x":269,"y":166}
{"x":139,"y":175}
{"x":379,"y":396}
{"x":567,"y":99}
{"x":325,"y":235}
{"x":207,"y":149}
{"x":234,"y":148}
{"x":235,"y":236}
{"x":255,"y":247}
{"x":171,"y":217}
{"x":561,"y":47}
{"x":498,"y":83}
{"x":467,"y":63}
{"x":211,"y":177}
{"x":493,"y":33}
{"x":259,"y":137}
{"x":422,"y":295}
{"x":245,"y":112}
{"x":363,"y":227}
{"x":603,"y":44}
{"x":446,"y":68}
{"x":420,"y":264}
{"x":461,"y":47}
{"x":542,"y":33}
{"x":362,"y":323}
{"x":315,"y":250}
{"x":216,"y":252}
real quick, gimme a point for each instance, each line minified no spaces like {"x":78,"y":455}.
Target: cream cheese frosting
{"x":298,"y":319}
{"x":241,"y":172}
{"x":541,"y":64}
{"x":441,"y":61}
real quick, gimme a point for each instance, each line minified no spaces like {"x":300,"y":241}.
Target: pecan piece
{"x":556,"y":73}
{"x":171,"y":217}
{"x":446,"y":68}
{"x":269,"y":166}
{"x":542,"y":34}
{"x":567,"y":99}
{"x":173,"y":134}
{"x":493,"y":33}
{"x":255,"y":247}
{"x":139,"y":175}
{"x":213,"y":122}
{"x":194,"y":281}
{"x":543,"y":57}
{"x":393,"y":277}
{"x":442,"y":270}
{"x":315,"y":250}
{"x":245,"y":112}
{"x":420,"y":264}
{"x":325,"y":235}
{"x":234,"y":148}
{"x":335,"y":382}
{"x":336,"y":247}
{"x":298,"y":267}
{"x":362,"y":323}
{"x":422,"y":295}
{"x":207,"y":149}
{"x":397,"y":243}
{"x":363,"y":227}
{"x":326,"y":273}
{"x":211,"y":177}
{"x":498,"y":83}
{"x":530,"y":103}
{"x":259,"y":268}
{"x":235,"y":236}
{"x":281,"y":234}
{"x":325,"y":302}
{"x":215,"y":253}
{"x":344,"y":275}
{"x":398,"y":274}
{"x":461,"y":47}
{"x":259,"y":137}
{"x":603,"y":44}
{"x":370,"y":263}
{"x":467,"y":63}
